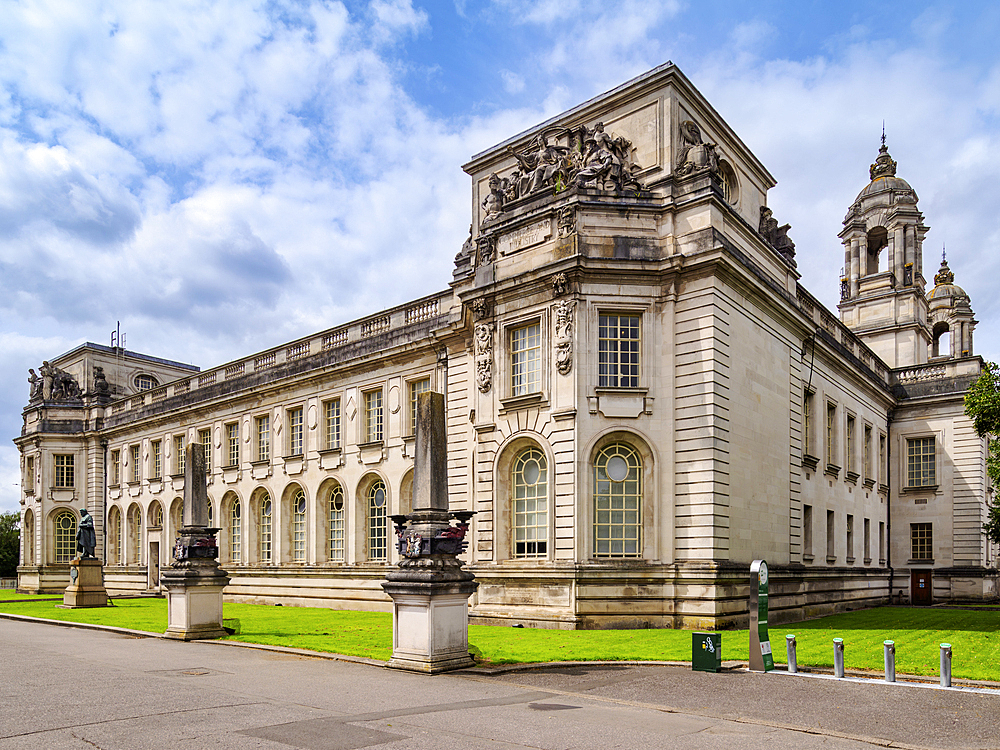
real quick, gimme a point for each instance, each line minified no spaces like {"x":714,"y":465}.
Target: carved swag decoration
{"x":577,"y":157}
{"x":563,"y":338}
{"x":483,"y":347}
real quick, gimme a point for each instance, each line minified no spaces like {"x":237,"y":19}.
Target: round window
{"x":617,"y":469}
{"x":265,"y":509}
{"x":300,"y":504}
{"x":379,"y":497}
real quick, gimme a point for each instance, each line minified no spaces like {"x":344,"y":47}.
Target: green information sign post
{"x":760,"y":643}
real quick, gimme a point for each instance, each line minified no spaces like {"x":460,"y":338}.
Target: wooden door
{"x":920,"y":587}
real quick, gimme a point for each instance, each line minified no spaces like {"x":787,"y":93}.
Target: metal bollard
{"x":889,"y":652}
{"x":793,"y":663}
{"x":838,"y":657}
{"x":945,"y":665}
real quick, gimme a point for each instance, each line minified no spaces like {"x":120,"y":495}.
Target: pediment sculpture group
{"x":580,"y":157}
{"x":54,"y":384}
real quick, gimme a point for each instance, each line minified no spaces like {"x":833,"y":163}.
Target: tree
{"x":982,"y":405}
{"x":10,"y":533}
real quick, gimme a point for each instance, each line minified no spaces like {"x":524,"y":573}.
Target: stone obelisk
{"x":429,"y":589}
{"x":194,"y":581}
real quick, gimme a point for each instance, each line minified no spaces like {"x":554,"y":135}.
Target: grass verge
{"x":974,"y":635}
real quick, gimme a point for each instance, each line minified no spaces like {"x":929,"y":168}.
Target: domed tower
{"x":951,"y":317}
{"x":882,"y":291}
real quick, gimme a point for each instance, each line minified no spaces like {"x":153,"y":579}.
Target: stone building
{"x":641,"y":399}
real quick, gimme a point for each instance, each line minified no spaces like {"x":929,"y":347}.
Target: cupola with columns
{"x":882,"y":289}
{"x":951,"y":317}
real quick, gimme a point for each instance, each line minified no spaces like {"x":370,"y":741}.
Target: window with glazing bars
{"x":373,"y":416}
{"x":135,"y":470}
{"x":65,"y":466}
{"x":233,"y":444}
{"x":264,"y":528}
{"x":921,"y":541}
{"x":205,"y":438}
{"x":263,"y":438}
{"x":831,"y":433}
{"x":179,"y":459}
{"x":336,"y":520}
{"x":299,"y":526}
{"x":526,"y":360}
{"x":156,"y":459}
{"x":378,"y":530}
{"x":868,"y":452}
{"x":331,"y":413}
{"x":295,"y":431}
{"x":116,"y":468}
{"x":850,"y":442}
{"x":235,"y":532}
{"x":416,"y":388}
{"x":65,"y":541}
{"x":920,"y":462}
{"x":618,"y":502}
{"x":529,"y":481}
{"x":618,"y":343}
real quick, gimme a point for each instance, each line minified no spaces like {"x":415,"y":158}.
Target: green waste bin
{"x":706,"y":652}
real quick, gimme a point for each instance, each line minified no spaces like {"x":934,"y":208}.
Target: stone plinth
{"x":194,"y":602}
{"x":86,"y":588}
{"x":430,"y":625}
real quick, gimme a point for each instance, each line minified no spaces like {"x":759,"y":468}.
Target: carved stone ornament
{"x":944,"y":274}
{"x":487,"y":249}
{"x":563,"y":158}
{"x":480,"y":308}
{"x":696,"y":155}
{"x":884,"y":165}
{"x":52,"y":384}
{"x":566,"y":222}
{"x":777,"y":236}
{"x":483,"y":349}
{"x":560,"y":284}
{"x":563,"y":337}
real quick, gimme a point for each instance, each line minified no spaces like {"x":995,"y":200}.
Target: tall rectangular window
{"x":295,"y":431}
{"x":618,"y":344}
{"x":233,"y":444}
{"x":136,"y":468}
{"x":851,"y":465}
{"x":29,"y":474}
{"x":850,"y":537}
{"x":881,"y":542}
{"x":115,"y":475}
{"x":807,"y":530}
{"x":416,"y":388}
{"x":883,"y":464}
{"x":373,"y":416}
{"x":921,"y":541}
{"x":263,"y":425}
{"x":179,"y":454}
{"x":868,"y":452}
{"x":331,"y":418}
{"x":65,"y":466}
{"x":831,"y":433}
{"x":156,"y":459}
{"x":831,"y":541}
{"x":526,"y":360}
{"x":205,"y":438}
{"x":920,"y":462}
{"x":808,"y":404}
{"x":868,"y":540}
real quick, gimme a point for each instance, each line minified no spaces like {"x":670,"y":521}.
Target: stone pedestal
{"x":86,"y":587}
{"x":430,"y":625}
{"x":194,"y":602}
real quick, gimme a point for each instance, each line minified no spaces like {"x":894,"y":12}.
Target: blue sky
{"x":224,"y":176}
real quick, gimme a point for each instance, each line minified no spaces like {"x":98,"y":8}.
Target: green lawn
{"x":974,"y":635}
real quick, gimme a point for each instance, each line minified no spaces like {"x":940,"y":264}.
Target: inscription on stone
{"x":519,"y":239}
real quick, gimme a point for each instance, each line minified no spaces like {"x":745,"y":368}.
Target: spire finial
{"x":884,"y":166}
{"x":883,"y":133}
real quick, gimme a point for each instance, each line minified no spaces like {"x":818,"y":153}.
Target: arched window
{"x":529,"y":485}
{"x":177,"y":514}
{"x":115,"y":536}
{"x":378,"y":530}
{"x":234,"y":531}
{"x":264,"y":526}
{"x":336,"y":524}
{"x":155,"y":515}
{"x":28,"y":558}
{"x":65,"y":536}
{"x":211,"y":515}
{"x":618,"y":502}
{"x":299,"y":526}
{"x":134,"y":534}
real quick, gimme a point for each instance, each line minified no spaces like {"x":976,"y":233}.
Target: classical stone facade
{"x":641,"y":399}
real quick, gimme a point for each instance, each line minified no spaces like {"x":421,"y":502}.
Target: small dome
{"x":883,"y":184}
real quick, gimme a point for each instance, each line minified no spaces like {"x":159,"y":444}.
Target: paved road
{"x":87,"y":690}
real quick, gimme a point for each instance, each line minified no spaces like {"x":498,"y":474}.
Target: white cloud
{"x":512,"y":82}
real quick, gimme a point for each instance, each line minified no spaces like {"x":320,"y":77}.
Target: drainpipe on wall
{"x":104,"y":503}
{"x":888,"y":502}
